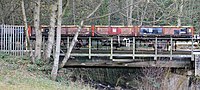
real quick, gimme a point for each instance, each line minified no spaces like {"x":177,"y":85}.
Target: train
{"x":127,"y":31}
{"x":13,"y":35}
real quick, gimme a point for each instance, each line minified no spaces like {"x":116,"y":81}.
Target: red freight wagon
{"x":101,"y":31}
{"x":178,"y":31}
{"x":170,"y":30}
{"x":114,"y":30}
{"x":85,"y":31}
{"x":126,"y":31}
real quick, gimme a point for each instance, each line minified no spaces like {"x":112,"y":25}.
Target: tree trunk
{"x":180,"y":14}
{"x":127,"y":11}
{"x":74,"y":15}
{"x":28,"y":45}
{"x":143,"y":13}
{"x":58,"y":39}
{"x":109,"y":11}
{"x":38,"y":43}
{"x":130,"y":13}
{"x":51,"y":34}
{"x":67,"y":55}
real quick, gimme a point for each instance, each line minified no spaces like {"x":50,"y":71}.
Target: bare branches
{"x":111,"y":12}
{"x":67,"y":55}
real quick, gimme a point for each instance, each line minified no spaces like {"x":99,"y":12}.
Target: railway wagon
{"x":164,"y":31}
{"x":129,"y":31}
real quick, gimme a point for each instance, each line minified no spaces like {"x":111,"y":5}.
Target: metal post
{"x":19,"y":41}
{"x":1,"y":37}
{"x":171,"y":44}
{"x":7,"y":38}
{"x":6,"y":41}
{"x":192,"y":56}
{"x":23,"y":30}
{"x":67,"y":43}
{"x":133,"y":47}
{"x":15,"y":32}
{"x":20,"y":46}
{"x":111,"y":48}
{"x":10,"y":41}
{"x":156,"y":48}
{"x":89,"y":47}
{"x":195,"y":64}
{"x":118,"y":39}
{"x":13,"y":39}
{"x":10,"y":38}
{"x":21,"y":36}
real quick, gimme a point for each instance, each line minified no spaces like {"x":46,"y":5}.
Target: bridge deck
{"x":171,"y":64}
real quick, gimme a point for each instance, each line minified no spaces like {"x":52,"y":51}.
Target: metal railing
{"x":12,"y":39}
{"x":136,"y":47}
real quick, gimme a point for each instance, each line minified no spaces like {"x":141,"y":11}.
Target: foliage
{"x":15,"y":75}
{"x":157,"y":12}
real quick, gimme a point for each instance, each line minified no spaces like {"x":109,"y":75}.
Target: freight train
{"x":128,"y":31}
{"x":120,"y":34}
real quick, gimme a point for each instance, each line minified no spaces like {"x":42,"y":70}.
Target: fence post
{"x":5,"y":34}
{"x":1,"y":36}
{"x":13,"y":40}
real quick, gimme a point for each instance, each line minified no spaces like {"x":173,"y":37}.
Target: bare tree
{"x":38,"y":44}
{"x":28,"y":45}
{"x":51,"y":34}
{"x":58,"y":39}
{"x":180,"y":13}
{"x":74,"y":15}
{"x":67,"y":55}
{"x":129,"y":12}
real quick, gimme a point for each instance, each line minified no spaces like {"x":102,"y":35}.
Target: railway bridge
{"x":134,"y":52}
{"x":116,"y":51}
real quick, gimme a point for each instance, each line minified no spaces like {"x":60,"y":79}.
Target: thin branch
{"x":67,"y":55}
{"x":95,"y":9}
{"x":87,"y":19}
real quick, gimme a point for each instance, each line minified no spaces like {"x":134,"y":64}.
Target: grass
{"x":15,"y":74}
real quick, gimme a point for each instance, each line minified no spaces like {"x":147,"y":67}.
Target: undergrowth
{"x":18,"y":73}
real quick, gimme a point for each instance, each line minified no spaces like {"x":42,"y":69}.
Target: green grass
{"x":15,"y":74}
